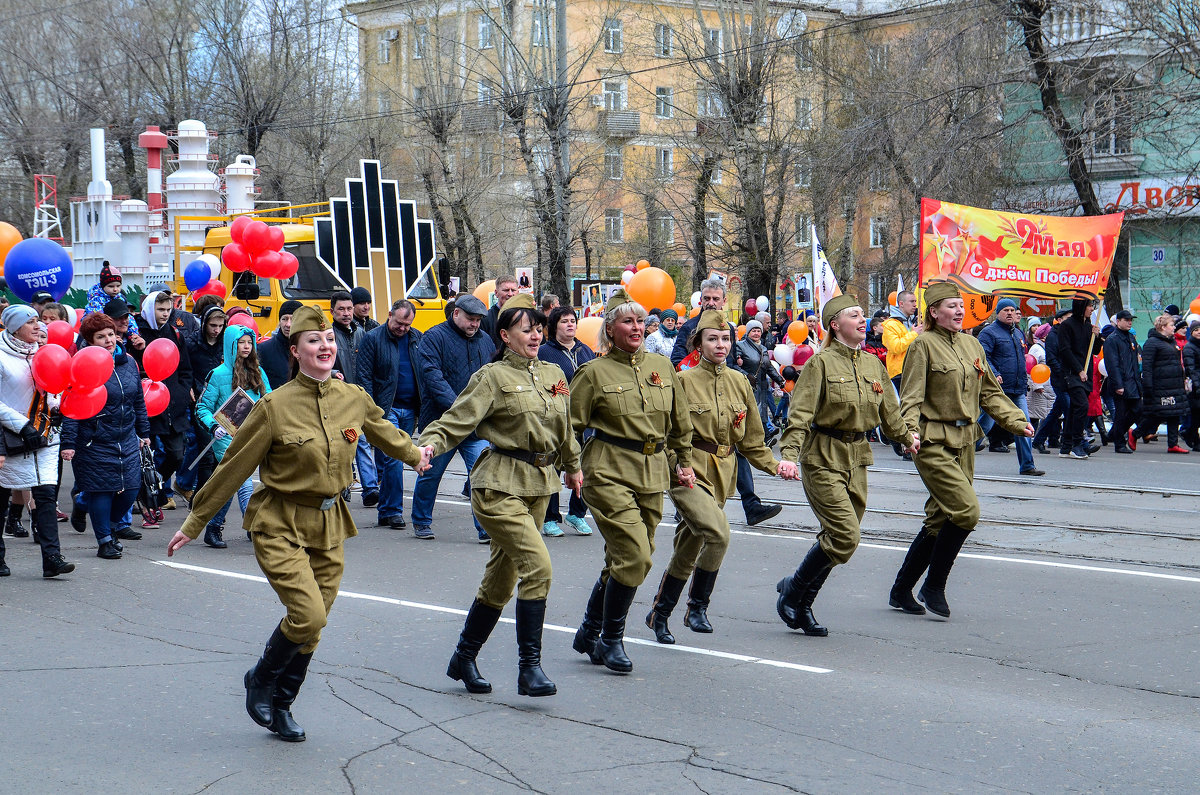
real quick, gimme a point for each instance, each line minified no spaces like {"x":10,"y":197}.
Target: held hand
{"x":916,"y":446}
{"x":136,"y":341}
{"x":1083,"y":375}
{"x":67,"y":455}
{"x":1028,"y":432}
{"x":426,"y":457}
{"x":144,"y":442}
{"x":574,"y":481}
{"x":177,"y":541}
{"x":788,"y":470}
{"x":686,"y":476}
{"x":1121,"y":391}
{"x":219,"y":432}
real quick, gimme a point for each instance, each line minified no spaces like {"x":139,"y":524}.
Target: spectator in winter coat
{"x":760,"y":371}
{"x":1164,"y":394}
{"x":169,"y":427}
{"x":361,"y":297}
{"x":1122,"y":355}
{"x":208,"y":352}
{"x":275,"y":355}
{"x":1191,"y":365}
{"x":660,"y":341}
{"x":1074,"y":352}
{"x":1004,"y":345}
{"x":506,"y":288}
{"x":349,"y":336}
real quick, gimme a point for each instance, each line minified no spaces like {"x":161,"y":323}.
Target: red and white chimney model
{"x":154,"y":142}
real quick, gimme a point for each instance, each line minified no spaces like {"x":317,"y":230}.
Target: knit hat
{"x":669,"y":314}
{"x":1195,"y":324}
{"x":1005,"y":303}
{"x":109,"y":274}
{"x":1042,"y":331}
{"x":360,"y":295}
{"x":836,"y":305}
{"x":940,"y":291}
{"x":16,"y":316}
{"x":753,"y":324}
{"x":306,"y":318}
{"x":289,"y":308}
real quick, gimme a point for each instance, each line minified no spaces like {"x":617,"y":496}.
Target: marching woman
{"x":635,"y":404}
{"x":520,"y":404}
{"x":723,"y":415}
{"x":302,"y":438}
{"x":945,"y":384}
{"x":842,"y":393}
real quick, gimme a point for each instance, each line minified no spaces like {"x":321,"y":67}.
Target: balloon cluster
{"x":203,"y":277}
{"x":258,"y":247}
{"x":755,"y":305}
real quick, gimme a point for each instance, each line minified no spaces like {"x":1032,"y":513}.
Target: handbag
{"x":151,"y":493}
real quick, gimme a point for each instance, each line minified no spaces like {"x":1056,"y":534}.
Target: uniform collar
{"x":516,"y":360}
{"x":712,"y":367}
{"x":947,"y":333}
{"x":627,"y":358}
{"x":313,"y":385}
{"x":845,"y":350}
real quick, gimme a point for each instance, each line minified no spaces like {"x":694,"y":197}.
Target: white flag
{"x":825,"y":284}
{"x":1101,"y":319}
{"x":899,"y":283}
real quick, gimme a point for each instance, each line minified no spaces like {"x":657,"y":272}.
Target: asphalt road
{"x":1070,"y":662}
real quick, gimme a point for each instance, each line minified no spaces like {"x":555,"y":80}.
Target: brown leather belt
{"x":721,"y":450}
{"x":645,"y":448}
{"x":846,"y":436}
{"x":535,"y":459}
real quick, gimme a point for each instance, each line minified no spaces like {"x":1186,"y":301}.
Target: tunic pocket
{"x":620,"y":399}
{"x":944,"y":377}
{"x":658,"y":396}
{"x":295,"y":438}
{"x":519,"y":398}
{"x":841,"y":389}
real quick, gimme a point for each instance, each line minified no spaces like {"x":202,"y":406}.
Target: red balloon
{"x":291,"y":264}
{"x":84,"y":404}
{"x":214,"y":287}
{"x":243,"y":319}
{"x":1029,"y":362}
{"x":256,"y":237}
{"x":59,"y":332}
{"x":51,"y":367}
{"x":275,"y":236}
{"x":267,"y":264}
{"x":157,"y":396}
{"x":802,"y":354}
{"x":238,"y":227}
{"x":160,"y":359}
{"x":235,"y":256}
{"x":90,"y":368}
{"x":751,"y":307}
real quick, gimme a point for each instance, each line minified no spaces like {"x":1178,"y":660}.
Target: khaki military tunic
{"x":723,"y":413}
{"x":302,"y":438}
{"x":636,"y":397}
{"x":844,"y":389}
{"x":516,"y":404}
{"x":945,"y":382}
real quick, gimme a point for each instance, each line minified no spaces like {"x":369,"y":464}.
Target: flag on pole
{"x":899,"y":283}
{"x":825,"y":284}
{"x":1102,"y":319}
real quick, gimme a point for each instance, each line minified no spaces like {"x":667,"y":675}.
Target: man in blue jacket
{"x":387,"y":369}
{"x":449,"y":354}
{"x":1122,"y":355}
{"x":273,"y":355}
{"x":1004,"y":344}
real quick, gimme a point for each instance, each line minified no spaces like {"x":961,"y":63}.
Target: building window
{"x":803,"y":229}
{"x":420,"y":41}
{"x":614,"y":95}
{"x":879,"y":231}
{"x":804,"y":54}
{"x":484,"y":92}
{"x":1112,"y":127}
{"x":662,"y":226}
{"x":708,"y":102}
{"x":488,"y":159}
{"x":716,"y":174}
{"x":664,"y":163}
{"x":804,"y":118}
{"x":612,"y":35}
{"x":420,"y":96}
{"x":664,"y":102}
{"x":384,"y":104}
{"x":877,"y":180}
{"x":386,"y":38}
{"x":876,"y":292}
{"x":802,"y":173}
{"x":614,"y":162}
{"x":542,"y":159}
{"x":487,"y":32}
{"x":878,"y":57}
{"x":712,"y":228}
{"x":712,"y":42}
{"x":664,"y":41}
{"x":538,"y":29}
{"x":614,"y":226}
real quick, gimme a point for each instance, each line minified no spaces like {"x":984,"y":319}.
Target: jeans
{"x":575,"y":507}
{"x":244,"y":493}
{"x":1058,"y":410}
{"x":425,"y":492}
{"x":105,"y":508}
{"x":781,"y":409}
{"x":1023,"y":443}
{"x":185,"y":478}
{"x":364,"y":462}
{"x":391,"y":471}
{"x":168,"y":464}
{"x":762,"y":396}
{"x":745,"y":486}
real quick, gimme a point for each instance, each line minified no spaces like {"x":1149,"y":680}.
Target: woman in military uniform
{"x":302,"y":438}
{"x":724,"y":417}
{"x":519,"y":404}
{"x":946,"y":381}
{"x":841,"y":394}
{"x":635,"y":404}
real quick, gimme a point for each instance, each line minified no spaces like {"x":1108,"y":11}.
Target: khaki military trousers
{"x":306,"y":581}
{"x":838,"y":498}
{"x":519,"y":554}
{"x":626,"y":520}
{"x":948,"y":473}
{"x":702,"y":536}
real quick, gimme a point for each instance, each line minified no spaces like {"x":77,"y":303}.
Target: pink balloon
{"x":90,"y":368}
{"x":235,"y":257}
{"x":157,"y":396}
{"x":275,"y":236}
{"x":84,"y":404}
{"x":51,"y":367}
{"x":256,"y":237}
{"x":238,"y":227}
{"x":59,"y":332}
{"x":160,"y":359}
{"x":1029,"y":362}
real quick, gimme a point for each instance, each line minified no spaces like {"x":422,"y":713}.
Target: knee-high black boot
{"x":531,"y":680}
{"x":697,"y":604}
{"x":914,"y":565}
{"x":793,"y":605}
{"x":287,"y":686}
{"x":610,"y":646}
{"x":933,"y":593}
{"x":669,"y":591}
{"x":589,"y":630}
{"x":261,"y":679}
{"x":481,"y":620}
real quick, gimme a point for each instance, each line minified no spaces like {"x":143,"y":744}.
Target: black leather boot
{"x":697,"y":605}
{"x":531,"y":680}
{"x":610,"y":646}
{"x":669,"y":591}
{"x":793,"y":604}
{"x":286,"y":687}
{"x":914,"y":565}
{"x":948,"y":544}
{"x":589,"y":630}
{"x":260,"y":680}
{"x":810,"y":596}
{"x":214,"y":537}
{"x":481,"y":620}
{"x":13,"y":526}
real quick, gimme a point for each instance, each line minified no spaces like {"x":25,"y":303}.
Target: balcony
{"x":712,"y":129}
{"x":480,"y":118}
{"x":619,"y":123}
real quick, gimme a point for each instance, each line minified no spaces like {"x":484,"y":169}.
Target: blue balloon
{"x":196,"y":274}
{"x":38,"y":264}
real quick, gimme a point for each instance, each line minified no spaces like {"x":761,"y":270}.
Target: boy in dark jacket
{"x":1121,"y":356}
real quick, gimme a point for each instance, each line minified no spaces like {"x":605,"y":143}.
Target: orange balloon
{"x":1040,"y":374}
{"x":651,"y":287}
{"x":695,"y":311}
{"x":680,"y":309}
{"x":741,"y":330}
{"x":642,"y":264}
{"x":588,"y":332}
{"x":892,"y":298}
{"x":788,"y":386}
{"x":797,"y":332}
{"x":1195,"y":305}
{"x":9,"y":237}
{"x":484,"y":291}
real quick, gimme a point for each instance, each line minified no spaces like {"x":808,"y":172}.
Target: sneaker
{"x":772,"y":437}
{"x":550,"y":529}
{"x":56,"y":565}
{"x":16,"y":529}
{"x":395,"y":522}
{"x":484,"y":538}
{"x":1178,"y":449}
{"x":370,"y":498}
{"x":158,"y":515}
{"x":998,"y":448}
{"x":1093,"y":448}
{"x":1032,"y":471}
{"x":149,"y":522}
{"x":62,"y":517}
{"x":424,"y":533}
{"x":579,"y":525}
{"x":1079,"y":453}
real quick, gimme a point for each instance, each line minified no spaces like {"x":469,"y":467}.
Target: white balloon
{"x":214,"y":264}
{"x":783,"y":355}
{"x":1192,"y":318}
{"x":695,"y":299}
{"x":626,"y":276}
{"x":762,"y":303}
{"x":1103,"y":369}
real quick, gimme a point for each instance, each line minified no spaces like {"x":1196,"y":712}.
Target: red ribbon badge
{"x":877,"y":387}
{"x":350,"y":434}
{"x":739,"y":419}
{"x":979,"y":367}
{"x":655,"y":378}
{"x":560,"y":388}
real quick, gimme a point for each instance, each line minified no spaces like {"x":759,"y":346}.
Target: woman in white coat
{"x":28,"y":445}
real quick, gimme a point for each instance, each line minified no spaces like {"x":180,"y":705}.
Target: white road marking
{"x":725,"y":655}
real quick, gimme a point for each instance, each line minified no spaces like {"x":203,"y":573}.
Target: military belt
{"x":309,"y":500}
{"x":536,"y":459}
{"x":845,"y":436}
{"x":645,"y":448}
{"x":721,"y":450}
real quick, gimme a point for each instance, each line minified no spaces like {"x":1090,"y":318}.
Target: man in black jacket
{"x":274,"y":355}
{"x":1121,"y":357}
{"x":1075,"y":335}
